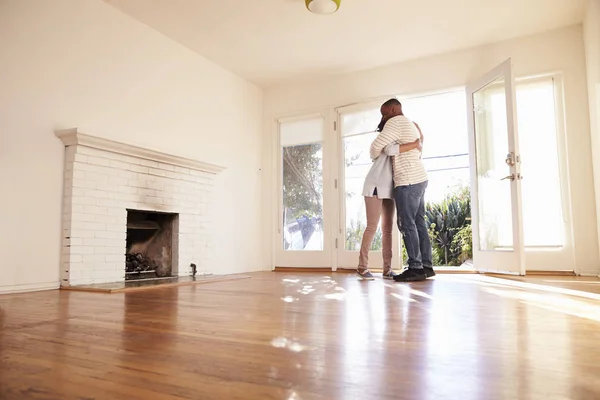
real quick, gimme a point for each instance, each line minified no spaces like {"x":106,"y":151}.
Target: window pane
{"x":302,"y":161}
{"x":543,"y":222}
{"x":303,"y":197}
{"x":443,"y":120}
{"x":360,"y":122}
{"x":357,"y":165}
{"x":491,"y":143}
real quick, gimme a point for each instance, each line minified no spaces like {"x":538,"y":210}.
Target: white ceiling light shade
{"x":323,"y":6}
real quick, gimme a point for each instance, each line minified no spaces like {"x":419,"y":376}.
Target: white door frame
{"x":303,"y":258}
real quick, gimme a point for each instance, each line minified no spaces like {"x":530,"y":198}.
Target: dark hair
{"x":391,"y":102}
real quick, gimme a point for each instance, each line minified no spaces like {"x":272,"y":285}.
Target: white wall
{"x":591,"y":37}
{"x":82,"y":63}
{"x":560,"y":50}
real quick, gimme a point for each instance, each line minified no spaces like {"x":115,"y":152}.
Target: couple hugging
{"x":398,"y":177}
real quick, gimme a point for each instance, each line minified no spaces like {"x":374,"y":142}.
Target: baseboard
{"x":589,"y":273}
{"x":34,"y":287}
{"x":550,"y":273}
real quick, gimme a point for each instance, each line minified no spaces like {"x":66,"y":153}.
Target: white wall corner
{"x":591,"y":38}
{"x":71,"y":137}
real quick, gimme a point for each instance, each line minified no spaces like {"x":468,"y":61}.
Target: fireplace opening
{"x":149,"y":244}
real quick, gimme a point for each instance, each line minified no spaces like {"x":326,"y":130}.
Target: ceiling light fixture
{"x":323,"y":7}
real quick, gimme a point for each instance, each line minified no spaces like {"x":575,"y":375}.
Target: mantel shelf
{"x":72,"y":137}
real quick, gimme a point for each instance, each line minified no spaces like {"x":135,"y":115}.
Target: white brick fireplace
{"x":102,"y":180}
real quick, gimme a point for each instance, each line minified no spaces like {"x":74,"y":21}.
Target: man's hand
{"x":420,"y":133}
{"x":419,"y":144}
{"x":420,"y":140}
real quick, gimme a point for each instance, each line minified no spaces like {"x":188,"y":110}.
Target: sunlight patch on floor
{"x":560,"y":304}
{"x":420,"y":294}
{"x":336,"y":296}
{"x":307,"y":289}
{"x":284,"y":343}
{"x":577,"y":282}
{"x":487,"y":281}
{"x":294,"y":396}
{"x":403,"y":298}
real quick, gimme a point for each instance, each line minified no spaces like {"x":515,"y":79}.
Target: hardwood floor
{"x":306,"y":336}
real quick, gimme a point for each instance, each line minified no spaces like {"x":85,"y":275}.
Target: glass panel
{"x":443,"y":116}
{"x":543,"y":222}
{"x":360,"y":122}
{"x":357,"y":165}
{"x":491,"y":144}
{"x":443,"y":120}
{"x":303,"y":197}
{"x":302,"y":161}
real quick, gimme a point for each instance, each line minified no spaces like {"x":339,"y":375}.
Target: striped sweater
{"x":408,"y":166}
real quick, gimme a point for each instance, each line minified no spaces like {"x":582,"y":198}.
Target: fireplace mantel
{"x":72,"y":137}
{"x":104,"y":180}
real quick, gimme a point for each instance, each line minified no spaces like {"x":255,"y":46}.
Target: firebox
{"x":150,"y":245}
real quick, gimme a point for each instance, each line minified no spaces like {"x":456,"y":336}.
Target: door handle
{"x":510,"y":159}
{"x":511,"y":177}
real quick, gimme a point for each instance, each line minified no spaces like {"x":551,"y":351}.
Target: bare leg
{"x":373,"y":206}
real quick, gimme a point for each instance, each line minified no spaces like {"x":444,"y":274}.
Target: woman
{"x":379,"y":202}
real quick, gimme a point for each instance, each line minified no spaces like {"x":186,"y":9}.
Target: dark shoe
{"x":429,"y":272}
{"x":365,"y":275}
{"x":411,"y":275}
{"x":389,"y":275}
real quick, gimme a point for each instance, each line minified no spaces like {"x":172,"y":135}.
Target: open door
{"x":495,"y":173}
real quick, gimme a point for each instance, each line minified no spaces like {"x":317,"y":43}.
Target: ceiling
{"x":275,"y":41}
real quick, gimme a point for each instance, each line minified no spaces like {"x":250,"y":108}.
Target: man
{"x":410,"y":182}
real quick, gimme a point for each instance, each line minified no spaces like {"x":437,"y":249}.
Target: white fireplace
{"x":104,"y":180}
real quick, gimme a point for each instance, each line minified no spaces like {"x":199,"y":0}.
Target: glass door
{"x":302,"y":232}
{"x":356,"y":133}
{"x":495,"y":173}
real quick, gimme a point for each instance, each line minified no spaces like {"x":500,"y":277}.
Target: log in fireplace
{"x":149,"y":244}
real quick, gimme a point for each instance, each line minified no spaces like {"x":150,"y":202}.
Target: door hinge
{"x":335,"y":125}
{"x":335,"y":183}
{"x":336,"y":241}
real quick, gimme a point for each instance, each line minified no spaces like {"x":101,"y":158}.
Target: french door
{"x":322,"y":167}
{"x":355,"y":132}
{"x":497,"y":219}
{"x":303,"y":225}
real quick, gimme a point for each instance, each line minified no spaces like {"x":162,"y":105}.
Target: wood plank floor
{"x":306,"y":336}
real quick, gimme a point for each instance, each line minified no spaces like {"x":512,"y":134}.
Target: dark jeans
{"x":410,"y":206}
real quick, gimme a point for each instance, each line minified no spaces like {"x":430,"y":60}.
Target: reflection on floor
{"x":308,"y":336}
{"x":143,"y":284}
